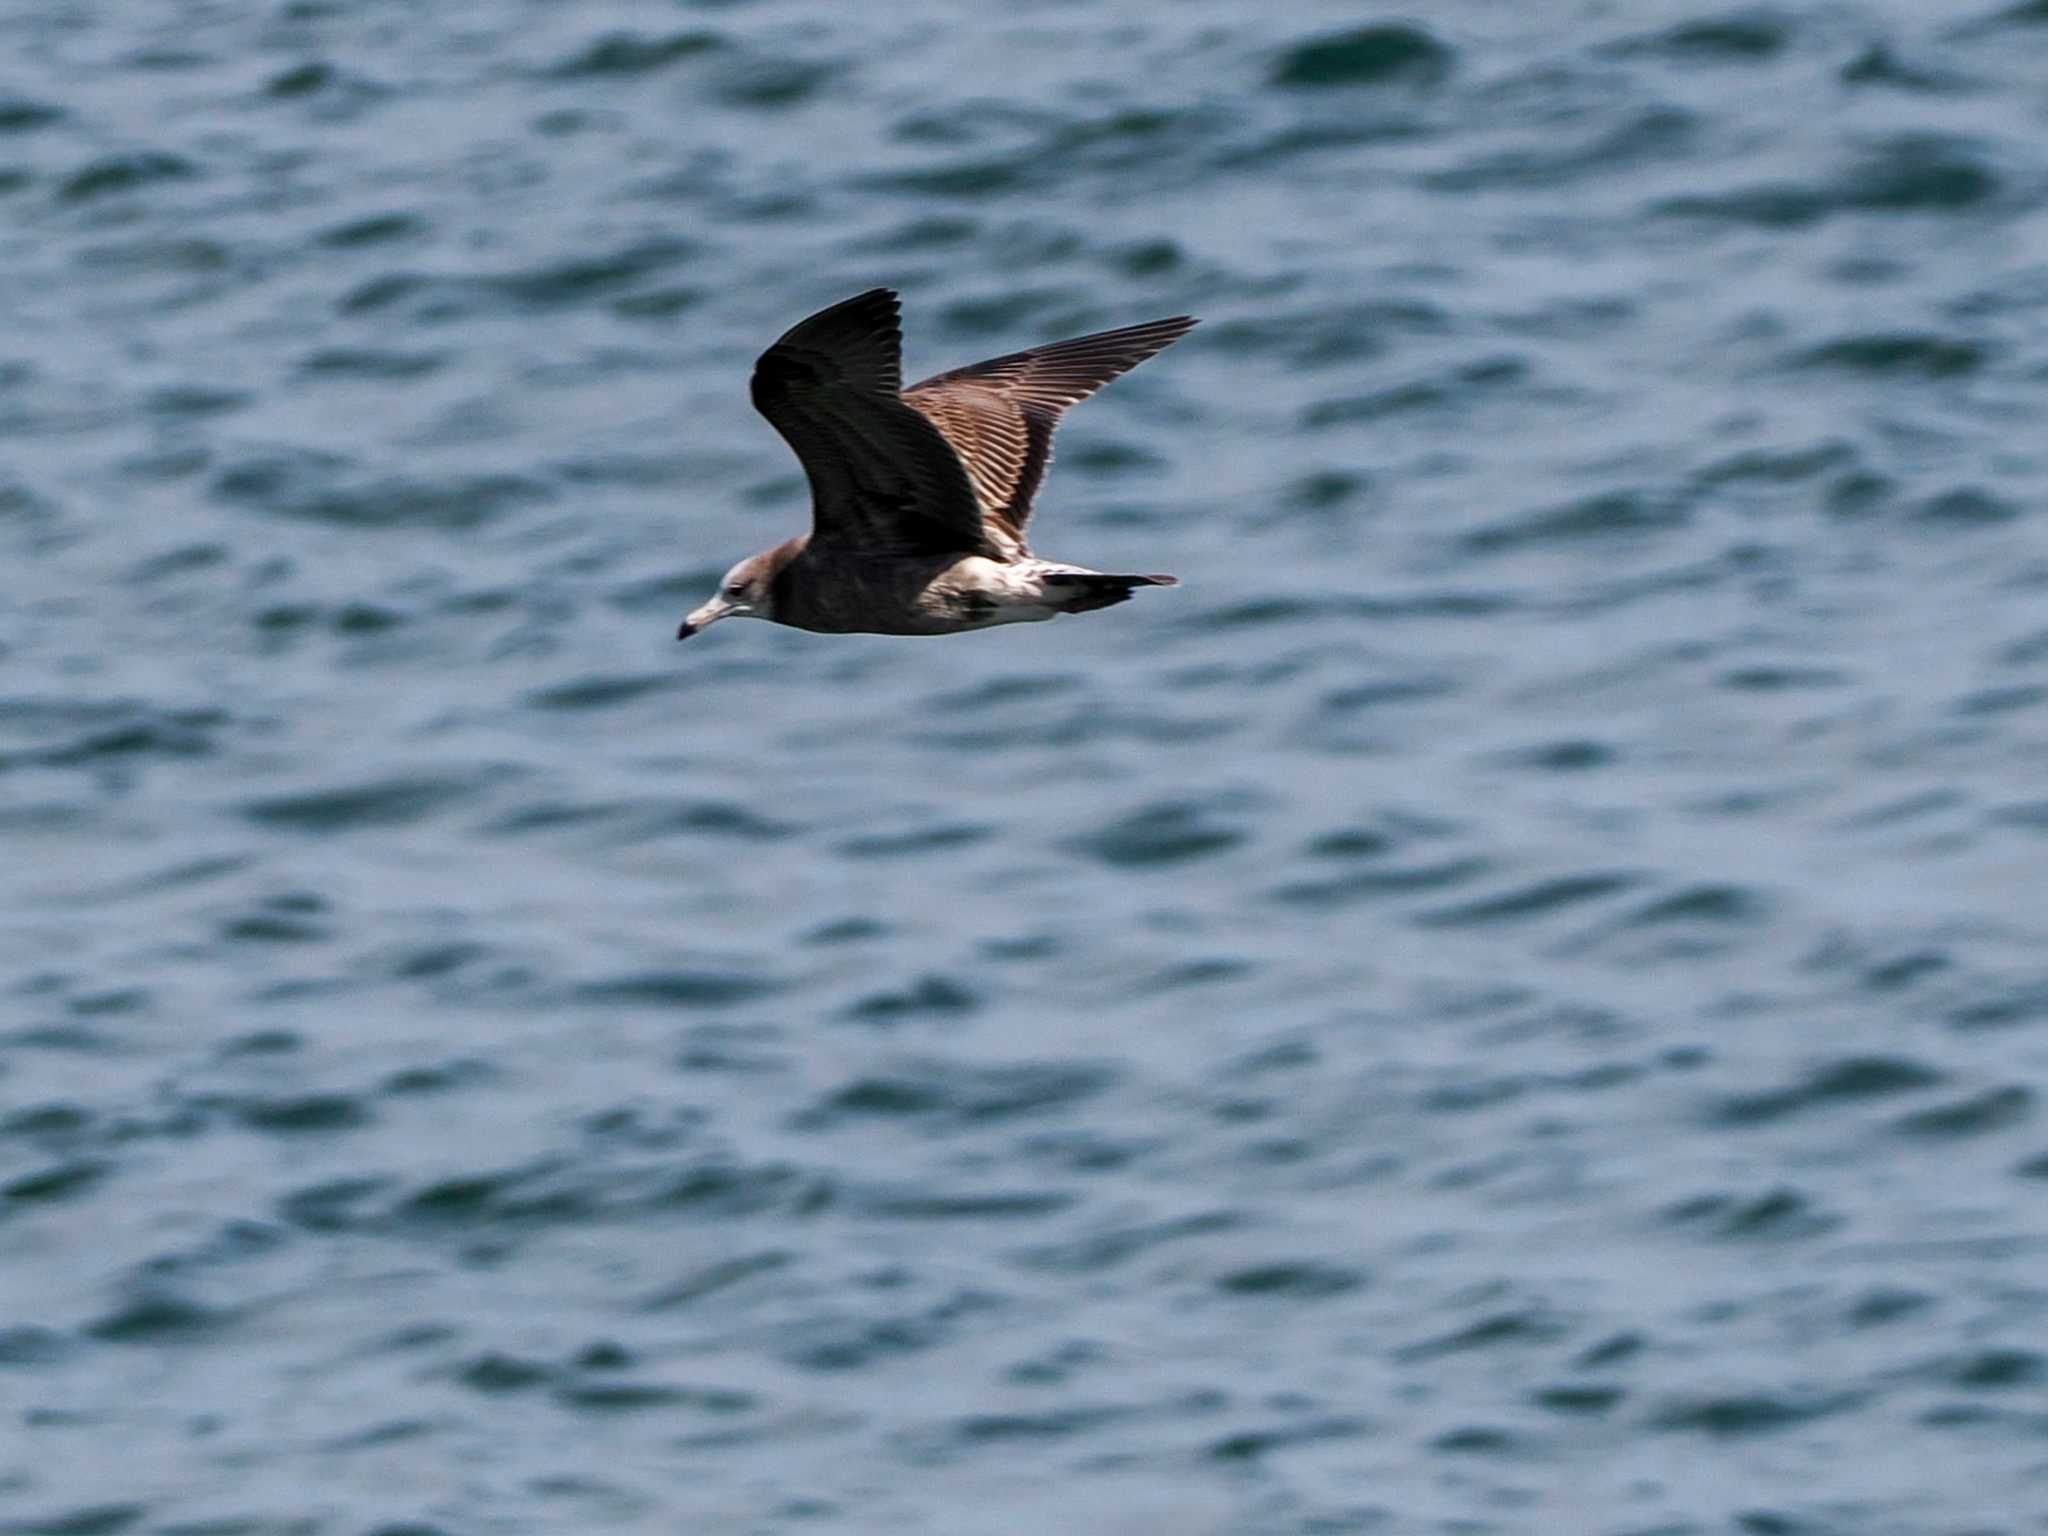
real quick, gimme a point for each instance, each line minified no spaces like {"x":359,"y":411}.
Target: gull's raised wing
{"x":999,"y":416}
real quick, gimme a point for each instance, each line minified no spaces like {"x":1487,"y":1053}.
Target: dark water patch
{"x":935,"y":838}
{"x":104,"y":734}
{"x":1921,"y":173}
{"x":1202,"y":973}
{"x":1900,"y":353}
{"x":157,"y":1315}
{"x":24,"y":1346}
{"x":1254,"y":1444}
{"x":189,"y":401}
{"x":373,"y":229}
{"x":1848,"y":1080}
{"x":318,"y":487}
{"x":1966,"y":507}
{"x":1778,"y":1214}
{"x":714,"y":1279}
{"x":1578,"y":1400}
{"x":1391,"y":53}
{"x":438,"y":1077}
{"x":1149,"y":258}
{"x":639,"y":820}
{"x":2009,"y":1008}
{"x":851,"y":1343}
{"x":602,"y":692}
{"x":1615,"y":1349}
{"x":679,"y":987}
{"x":58,"y":1182}
{"x":1703,"y":904}
{"x":1781,"y":679}
{"x":637,"y":1396}
{"x":766,"y":82}
{"x":1731,"y":1415}
{"x":177,"y":562}
{"x":18,"y":114}
{"x":386,"y":363}
{"x":114,"y":174}
{"x":848,"y":930}
{"x":1325,"y":490}
{"x":663,"y":303}
{"x":87,"y":1520}
{"x":2006,"y":701}
{"x":1455,"y":389}
{"x":1996,"y":1109}
{"x":931,"y":995}
{"x":985,"y":1429}
{"x":60,"y":1118}
{"x":306,"y":79}
{"x":270,"y":927}
{"x":1654,"y":134}
{"x":1605,"y":515}
{"x":1541,"y":899}
{"x":1320,"y":337}
{"x":925,"y":1204}
{"x":1374,"y":695}
{"x":2028,"y":651}
{"x":439,"y":298}
{"x":1352,"y":843}
{"x":496,"y":1375}
{"x":1995,"y":1370}
{"x":302,"y":1114}
{"x":1574,"y":756}
{"x":984,"y":177}
{"x":1885,"y":1305}
{"x":535,"y":1195}
{"x":1156,"y":836}
{"x":625,"y":53}
{"x":1881,"y":66}
{"x":392,"y":802}
{"x":925,"y":232}
{"x":1475,"y":1440}
{"x":336,"y":1205}
{"x":1768,"y":205}
{"x":961,"y":1095}
{"x":1118,"y":1245}
{"x":1518,"y":1329}
{"x":2022,"y":14}
{"x":1736,"y":37}
{"x":1378,"y":884}
{"x":1291,"y":1280}
{"x":1776,"y":466}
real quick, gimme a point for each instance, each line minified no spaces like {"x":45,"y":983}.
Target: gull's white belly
{"x":982,"y":592}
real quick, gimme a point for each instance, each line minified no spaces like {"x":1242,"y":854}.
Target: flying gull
{"x":919,"y":496}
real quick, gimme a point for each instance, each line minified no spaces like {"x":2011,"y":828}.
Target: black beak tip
{"x":686,"y":631}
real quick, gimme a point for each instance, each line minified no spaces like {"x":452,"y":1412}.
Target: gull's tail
{"x":1085,"y":591}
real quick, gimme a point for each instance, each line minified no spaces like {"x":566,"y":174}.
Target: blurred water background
{"x":1513,"y":1001}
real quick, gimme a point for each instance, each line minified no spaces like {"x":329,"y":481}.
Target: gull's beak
{"x":705,"y":617}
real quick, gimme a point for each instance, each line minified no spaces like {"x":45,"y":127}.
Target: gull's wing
{"x":883,"y":480}
{"x":999,"y":416}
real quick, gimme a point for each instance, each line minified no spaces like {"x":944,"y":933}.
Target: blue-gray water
{"x":1512,"y":1001}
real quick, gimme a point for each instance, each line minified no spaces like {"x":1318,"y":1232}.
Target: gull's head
{"x":743,"y":593}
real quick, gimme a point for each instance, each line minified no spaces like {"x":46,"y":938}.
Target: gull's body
{"x":920,"y":496}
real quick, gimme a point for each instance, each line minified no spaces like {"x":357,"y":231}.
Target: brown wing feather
{"x":999,"y":416}
{"x":883,"y":479}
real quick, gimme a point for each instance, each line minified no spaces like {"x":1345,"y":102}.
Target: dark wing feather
{"x":1000,"y":415}
{"x":882,"y":478}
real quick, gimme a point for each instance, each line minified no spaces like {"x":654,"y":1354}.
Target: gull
{"x":920,"y":496}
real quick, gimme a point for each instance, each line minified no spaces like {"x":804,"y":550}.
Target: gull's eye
{"x":736,"y":589}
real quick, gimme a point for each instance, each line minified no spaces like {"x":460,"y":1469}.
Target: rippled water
{"x":1514,"y":1000}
